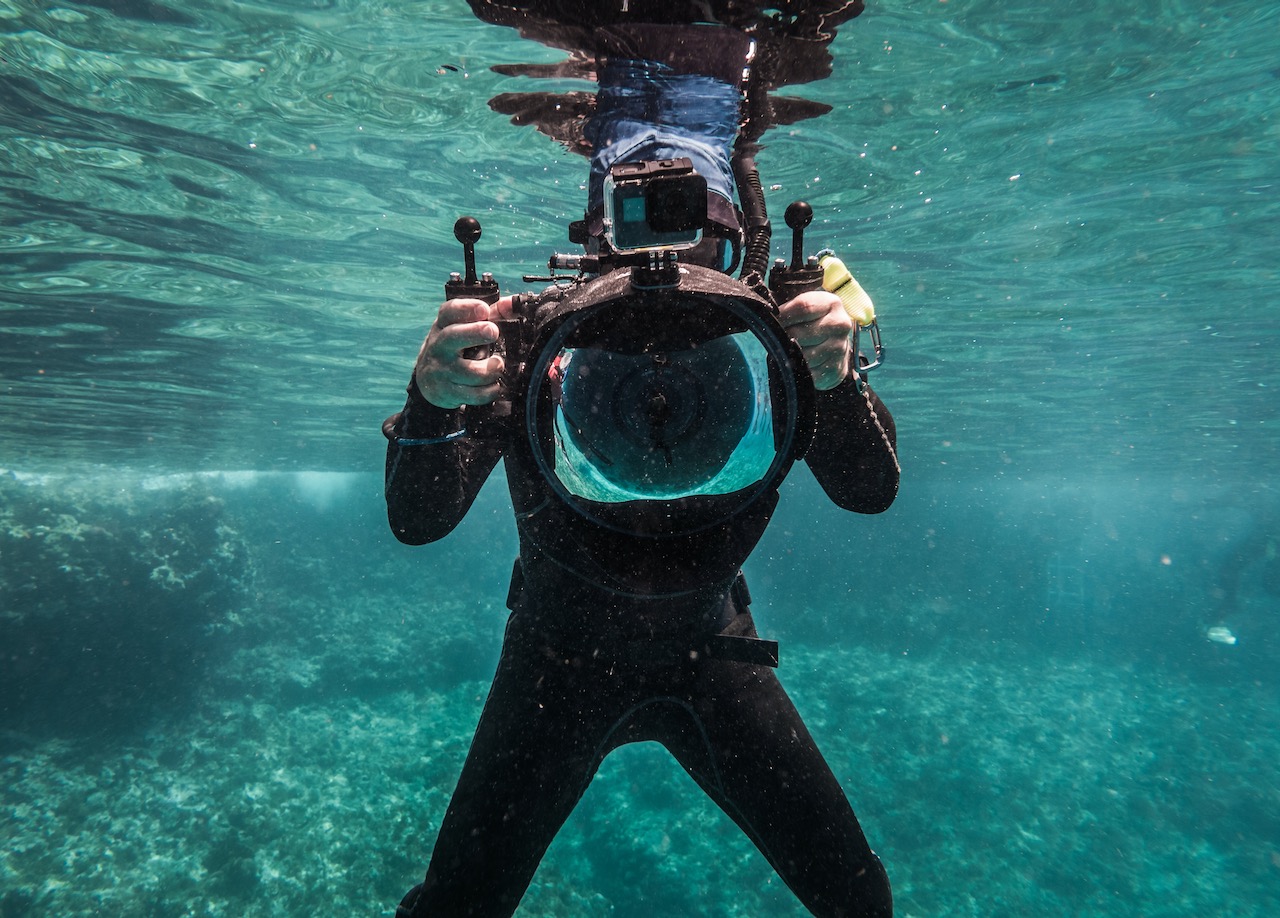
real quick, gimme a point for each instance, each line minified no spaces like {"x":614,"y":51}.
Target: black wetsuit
{"x":615,"y":639}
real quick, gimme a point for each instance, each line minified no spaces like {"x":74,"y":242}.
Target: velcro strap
{"x":737,"y":649}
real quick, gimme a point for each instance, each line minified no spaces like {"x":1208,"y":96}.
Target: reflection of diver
{"x":789,"y":45}
{"x":647,"y":411}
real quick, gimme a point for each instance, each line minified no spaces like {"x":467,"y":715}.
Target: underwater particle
{"x":1221,"y":634}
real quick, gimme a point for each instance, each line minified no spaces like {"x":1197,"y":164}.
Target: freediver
{"x":630,"y":617}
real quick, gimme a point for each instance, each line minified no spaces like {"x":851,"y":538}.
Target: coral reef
{"x":343,"y":675}
{"x":990,"y":788}
{"x":113,"y":600}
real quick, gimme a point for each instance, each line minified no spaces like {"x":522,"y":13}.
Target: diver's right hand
{"x":447,"y":379}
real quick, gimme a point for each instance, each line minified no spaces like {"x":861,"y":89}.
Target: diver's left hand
{"x":818,"y":323}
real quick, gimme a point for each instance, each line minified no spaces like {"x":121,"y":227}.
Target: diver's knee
{"x":871,"y":896}
{"x":405,"y":908}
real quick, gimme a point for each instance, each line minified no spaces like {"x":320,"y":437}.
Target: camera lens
{"x":657,"y":425}
{"x":664,"y":411}
{"x":676,"y":204}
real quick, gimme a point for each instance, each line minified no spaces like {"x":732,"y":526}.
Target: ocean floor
{"x":315,"y":697}
{"x":990,"y":787}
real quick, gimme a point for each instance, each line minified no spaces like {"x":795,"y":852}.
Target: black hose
{"x":755,"y":258}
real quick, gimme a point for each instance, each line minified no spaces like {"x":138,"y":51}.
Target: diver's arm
{"x":854,"y":450}
{"x":435,"y":468}
{"x":435,"y":465}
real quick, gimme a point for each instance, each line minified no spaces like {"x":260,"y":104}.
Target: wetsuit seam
{"x":621,"y":721}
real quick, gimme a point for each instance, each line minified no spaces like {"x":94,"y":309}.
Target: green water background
{"x":224,"y":232}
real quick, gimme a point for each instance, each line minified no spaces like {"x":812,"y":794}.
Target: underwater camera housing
{"x":656,"y":397}
{"x":662,"y":410}
{"x":654,"y":204}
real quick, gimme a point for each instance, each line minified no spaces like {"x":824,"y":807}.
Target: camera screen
{"x":634,"y":210}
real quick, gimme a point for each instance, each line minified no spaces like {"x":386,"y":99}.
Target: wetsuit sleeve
{"x":435,"y":468}
{"x":854,"y":450}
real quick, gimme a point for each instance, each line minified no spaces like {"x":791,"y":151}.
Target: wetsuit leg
{"x":535,"y":751}
{"x":549,"y":721}
{"x":747,"y":747}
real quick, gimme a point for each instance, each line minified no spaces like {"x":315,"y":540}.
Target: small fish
{"x":1220,"y":634}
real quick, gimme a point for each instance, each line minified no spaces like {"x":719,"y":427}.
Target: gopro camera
{"x":655,"y":204}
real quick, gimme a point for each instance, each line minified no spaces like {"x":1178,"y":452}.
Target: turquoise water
{"x":224,"y":232}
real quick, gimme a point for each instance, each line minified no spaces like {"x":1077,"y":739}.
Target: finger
{"x":463,"y":309}
{"x":828,"y":328}
{"x":461,"y":382}
{"x":474,"y":374}
{"x":797,"y":313}
{"x":502,"y":309}
{"x":808,"y":306}
{"x":451,"y":397}
{"x":808,"y":335}
{"x":829,"y":370}
{"x":824,"y":357}
{"x":479,"y":395}
{"x":453,"y":339}
{"x":828,"y":379}
{"x":478,"y":382}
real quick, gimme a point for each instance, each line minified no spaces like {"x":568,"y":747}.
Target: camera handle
{"x":467,"y":231}
{"x":803,"y":274}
